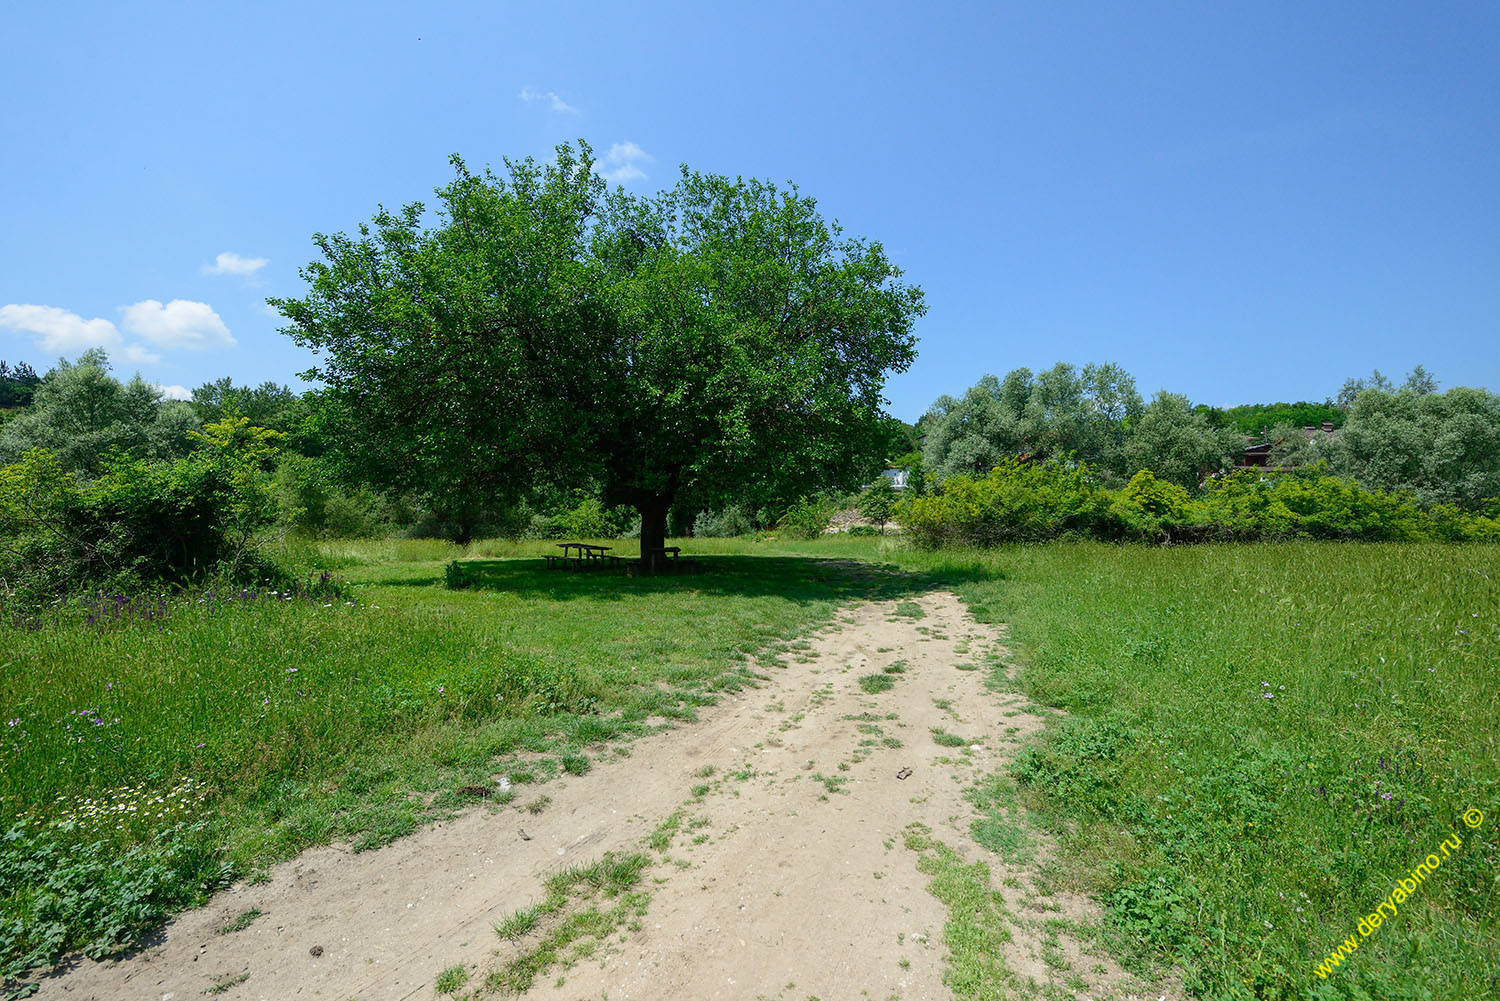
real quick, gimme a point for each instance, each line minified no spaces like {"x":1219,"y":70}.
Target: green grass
{"x":1243,"y":836}
{"x":874,"y":684}
{"x":943,"y":738}
{"x":221,"y":986}
{"x":577,"y":916}
{"x":240,"y":921}
{"x":233,"y":733}
{"x":976,"y":930}
{"x":452,"y":980}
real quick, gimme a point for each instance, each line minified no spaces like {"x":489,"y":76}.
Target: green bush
{"x":1038,"y":501}
{"x":139,"y":521}
{"x":1016,"y":502}
{"x":725,"y":523}
{"x":808,"y":518}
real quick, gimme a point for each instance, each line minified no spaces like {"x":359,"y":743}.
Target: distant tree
{"x":1259,"y":418}
{"x":1444,"y":447}
{"x":1176,"y":444}
{"x":1062,"y":411}
{"x":973,"y":434}
{"x":719,"y":342}
{"x":17,"y":385}
{"x":878,"y":501}
{"x":269,"y":405}
{"x":1353,"y":387}
{"x":1420,"y":381}
{"x":85,"y":415}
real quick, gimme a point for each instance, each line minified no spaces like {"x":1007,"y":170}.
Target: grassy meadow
{"x":1259,"y":742}
{"x":156,"y":751}
{"x":1255,"y":742}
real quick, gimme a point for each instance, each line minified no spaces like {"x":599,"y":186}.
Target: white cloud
{"x":139,"y":355}
{"x":181,"y":323}
{"x":531,"y":94}
{"x":230,"y":263}
{"x":623,"y":163}
{"x":59,"y":332}
{"x":173,"y":392}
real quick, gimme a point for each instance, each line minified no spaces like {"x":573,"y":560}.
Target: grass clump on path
{"x":574,"y":898}
{"x":976,"y":930}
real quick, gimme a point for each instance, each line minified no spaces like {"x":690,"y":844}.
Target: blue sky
{"x":1242,"y":203}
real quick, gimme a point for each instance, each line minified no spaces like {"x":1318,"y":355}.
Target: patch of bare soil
{"x":785,"y":877}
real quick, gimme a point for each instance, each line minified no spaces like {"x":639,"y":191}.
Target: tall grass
{"x":1261,"y":740}
{"x":253,"y":727}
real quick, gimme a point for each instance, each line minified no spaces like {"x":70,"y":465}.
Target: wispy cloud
{"x":173,"y":392}
{"x":623,"y":163}
{"x":181,"y":323}
{"x":139,"y":355}
{"x":230,"y":263}
{"x":531,"y":95}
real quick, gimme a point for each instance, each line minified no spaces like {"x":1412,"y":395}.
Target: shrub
{"x":725,"y":523}
{"x":140,"y":520}
{"x":808,"y":518}
{"x":1016,"y":501}
{"x":1043,"y":501}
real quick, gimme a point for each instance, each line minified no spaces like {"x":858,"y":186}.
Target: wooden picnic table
{"x":582,"y":555}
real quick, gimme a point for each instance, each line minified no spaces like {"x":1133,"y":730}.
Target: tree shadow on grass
{"x":793,"y":578}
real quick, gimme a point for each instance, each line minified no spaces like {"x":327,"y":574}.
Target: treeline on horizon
{"x":1072,"y":451}
{"x":107,"y":483}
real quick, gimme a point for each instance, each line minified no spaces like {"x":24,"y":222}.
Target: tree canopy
{"x":1061,"y":411}
{"x":17,"y":384}
{"x":1443,"y":447}
{"x":717,"y":342}
{"x":85,"y":415}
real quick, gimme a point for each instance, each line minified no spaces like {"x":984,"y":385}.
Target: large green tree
{"x":718,"y":342}
{"x":1061,"y":411}
{"x":1178,"y":445}
{"x":85,"y":415}
{"x":1443,"y":447}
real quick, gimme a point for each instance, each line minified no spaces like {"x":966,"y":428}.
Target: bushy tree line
{"x":17,"y":384}
{"x":1441,"y":448}
{"x":1034,"y":501}
{"x":139,"y":520}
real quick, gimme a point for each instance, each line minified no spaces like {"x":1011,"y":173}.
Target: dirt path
{"x":785,"y":877}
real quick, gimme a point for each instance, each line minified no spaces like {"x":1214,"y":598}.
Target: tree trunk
{"x":653,"y":531}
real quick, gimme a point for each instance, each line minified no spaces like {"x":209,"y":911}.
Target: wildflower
{"x":12,"y":722}
{"x":1269,"y":695}
{"x":1385,"y":795}
{"x":291,"y":670}
{"x":440,"y":689}
{"x":200,"y":745}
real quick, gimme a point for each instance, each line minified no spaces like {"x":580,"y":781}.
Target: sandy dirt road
{"x":785,"y":878}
